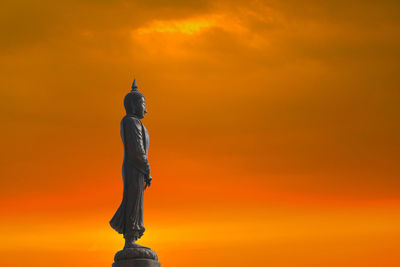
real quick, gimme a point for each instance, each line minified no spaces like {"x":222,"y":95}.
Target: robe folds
{"x":128,"y":219}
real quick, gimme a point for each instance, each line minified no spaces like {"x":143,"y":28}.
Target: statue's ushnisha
{"x":128,"y":220}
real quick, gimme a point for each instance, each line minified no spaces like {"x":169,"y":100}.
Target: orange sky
{"x":274,"y":130}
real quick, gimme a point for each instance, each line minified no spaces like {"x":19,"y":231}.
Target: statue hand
{"x":147,"y":181}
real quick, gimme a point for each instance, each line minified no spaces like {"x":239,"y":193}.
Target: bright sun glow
{"x":191,"y":26}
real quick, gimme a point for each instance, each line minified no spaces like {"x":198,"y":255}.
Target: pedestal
{"x":136,"y":263}
{"x":136,"y":257}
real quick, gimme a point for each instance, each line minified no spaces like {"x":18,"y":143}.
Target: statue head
{"x":134,"y":102}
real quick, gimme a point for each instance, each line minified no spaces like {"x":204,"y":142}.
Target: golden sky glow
{"x":185,"y":27}
{"x":274,"y":130}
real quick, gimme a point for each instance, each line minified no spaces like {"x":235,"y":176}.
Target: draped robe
{"x":128,"y":220}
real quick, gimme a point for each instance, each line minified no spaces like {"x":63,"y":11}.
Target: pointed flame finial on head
{"x":134,"y":85}
{"x":133,"y":99}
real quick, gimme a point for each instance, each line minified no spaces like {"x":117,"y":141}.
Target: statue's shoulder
{"x":131,"y":121}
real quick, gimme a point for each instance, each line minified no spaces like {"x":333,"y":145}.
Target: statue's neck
{"x":132,"y":115}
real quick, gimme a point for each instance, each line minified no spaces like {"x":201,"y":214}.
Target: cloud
{"x":309,"y":75}
{"x":188,"y":26}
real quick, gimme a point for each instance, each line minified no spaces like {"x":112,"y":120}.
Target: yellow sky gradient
{"x":274,"y":130}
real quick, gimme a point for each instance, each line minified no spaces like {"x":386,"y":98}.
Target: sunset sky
{"x":274,"y":130}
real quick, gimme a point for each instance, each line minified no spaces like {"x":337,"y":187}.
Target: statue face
{"x":141,"y":108}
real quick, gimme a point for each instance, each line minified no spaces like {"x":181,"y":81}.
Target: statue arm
{"x":134,"y":145}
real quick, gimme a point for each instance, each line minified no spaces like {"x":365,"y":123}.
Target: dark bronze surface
{"x":128,"y":219}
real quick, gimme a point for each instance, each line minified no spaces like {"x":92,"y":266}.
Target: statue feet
{"x":132,"y":244}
